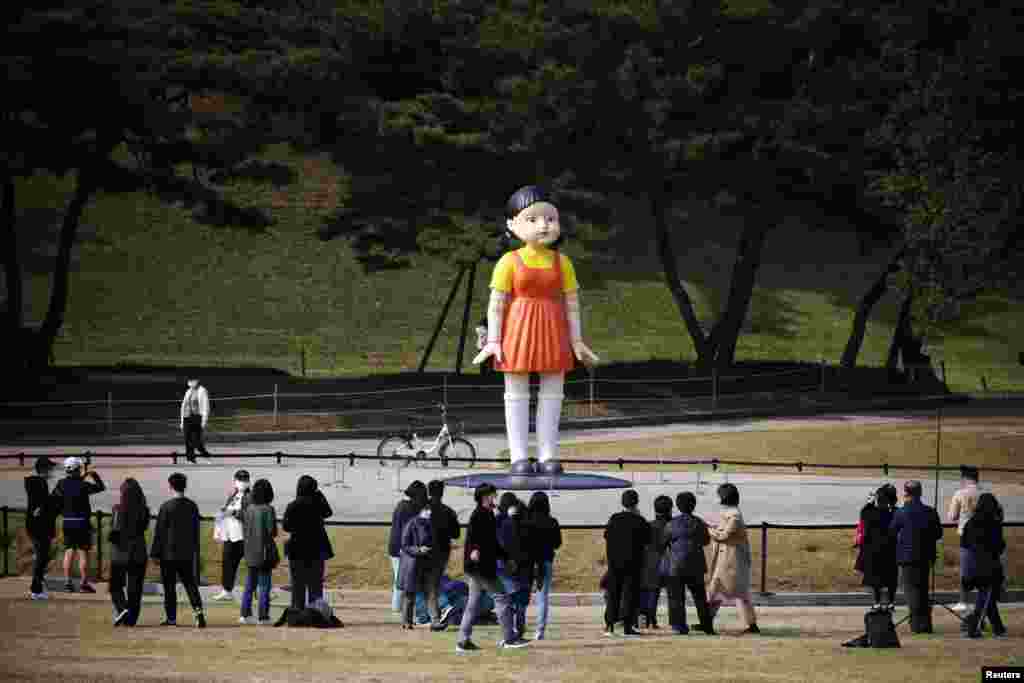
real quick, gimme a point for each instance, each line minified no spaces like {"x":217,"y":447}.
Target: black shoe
{"x":684,"y":631}
{"x":87,"y":588}
{"x":752,"y":629}
{"x":438,"y":627}
{"x":631,"y":632}
{"x":69,"y":587}
{"x":168,"y":622}
{"x":120,"y":617}
{"x":468,"y":646}
{"x":200,"y":620}
{"x":709,"y":631}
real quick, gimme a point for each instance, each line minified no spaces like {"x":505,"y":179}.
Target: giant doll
{"x":533,"y":325}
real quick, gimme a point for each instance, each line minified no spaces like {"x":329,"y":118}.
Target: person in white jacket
{"x":195,"y":412}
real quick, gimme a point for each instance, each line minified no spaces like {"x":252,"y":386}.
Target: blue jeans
{"x":396,"y":595}
{"x":257,"y":578}
{"x":502,"y":604}
{"x":544,"y":598}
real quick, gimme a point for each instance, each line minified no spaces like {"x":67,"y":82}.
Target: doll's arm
{"x":572,"y":308}
{"x":495,"y":318}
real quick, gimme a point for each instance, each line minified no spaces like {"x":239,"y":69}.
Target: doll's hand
{"x":584,"y":355}
{"x":490,"y":349}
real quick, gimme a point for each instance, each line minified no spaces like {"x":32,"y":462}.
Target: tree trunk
{"x":85,"y":185}
{"x":741,"y":288}
{"x":12,"y":260}
{"x":899,"y":333}
{"x":675,"y":285}
{"x":864,"y":308}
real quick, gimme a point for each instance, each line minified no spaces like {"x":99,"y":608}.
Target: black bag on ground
{"x":880,"y":630}
{"x":308,"y":617}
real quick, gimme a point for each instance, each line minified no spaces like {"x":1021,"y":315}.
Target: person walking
{"x":71,"y":497}
{"x":982,"y":544}
{"x":961,"y":507}
{"x":627,"y":536}
{"x":444,"y":524}
{"x":917,"y":529}
{"x":654,"y":581}
{"x":480,"y":563}
{"x":685,"y":538}
{"x":545,"y":540}
{"x":195,"y":413}
{"x":414,"y":568}
{"x":731,"y":559}
{"x":40,"y":523}
{"x":176,"y":548}
{"x":232,"y":536}
{"x":409,"y":507}
{"x":261,"y":556}
{"x":878,"y":547}
{"x":128,"y":553}
{"x":308,"y":546}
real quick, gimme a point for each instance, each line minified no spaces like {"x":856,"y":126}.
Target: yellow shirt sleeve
{"x":501,"y":278}
{"x":569,"y":283}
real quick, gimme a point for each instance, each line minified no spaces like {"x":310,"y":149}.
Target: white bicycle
{"x":405,"y":448}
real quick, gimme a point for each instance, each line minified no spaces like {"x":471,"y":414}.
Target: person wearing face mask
{"x":414,"y":566}
{"x":232,"y":535}
{"x":195,"y":413}
{"x":40,"y":523}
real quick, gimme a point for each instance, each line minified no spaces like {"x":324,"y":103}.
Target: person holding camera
{"x":71,"y":498}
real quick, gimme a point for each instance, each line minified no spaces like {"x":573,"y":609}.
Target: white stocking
{"x":517,"y":414}
{"x":549,"y":410}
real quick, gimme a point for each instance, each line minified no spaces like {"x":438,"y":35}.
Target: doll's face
{"x":536,"y":224}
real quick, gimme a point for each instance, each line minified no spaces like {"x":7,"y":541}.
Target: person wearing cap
{"x":961,"y":507}
{"x":232,"y":535}
{"x":71,"y":498}
{"x":917,"y":529}
{"x":195,"y":412}
{"x":40,"y":523}
{"x":414,"y":501}
{"x":480,"y":562}
{"x":627,"y":536}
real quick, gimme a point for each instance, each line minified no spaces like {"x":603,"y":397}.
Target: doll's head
{"x":532,"y":218}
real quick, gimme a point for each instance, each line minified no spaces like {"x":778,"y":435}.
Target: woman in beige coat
{"x":731,"y":559}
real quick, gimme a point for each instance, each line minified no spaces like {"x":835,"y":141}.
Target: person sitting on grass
{"x":176,"y":548}
{"x":71,"y":497}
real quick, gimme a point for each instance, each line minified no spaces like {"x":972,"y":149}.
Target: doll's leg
{"x":517,"y":419}
{"x":549,"y":410}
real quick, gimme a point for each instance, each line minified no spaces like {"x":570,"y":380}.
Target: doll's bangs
{"x":524,"y":197}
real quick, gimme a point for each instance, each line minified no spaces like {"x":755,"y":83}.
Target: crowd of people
{"x":509,"y":553}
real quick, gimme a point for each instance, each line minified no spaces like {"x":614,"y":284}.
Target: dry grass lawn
{"x":71,"y":640}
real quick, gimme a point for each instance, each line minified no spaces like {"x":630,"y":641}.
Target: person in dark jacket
{"x":481,"y":568}
{"x":444,"y":527}
{"x":653,"y":580}
{"x":982,"y":569}
{"x":71,"y":498}
{"x":627,"y":536}
{"x":40,"y":523}
{"x":308,"y":546}
{"x":414,"y":567}
{"x":415,"y":499}
{"x":260,"y":524}
{"x":878,"y":548}
{"x":515,"y":569}
{"x":917,"y":529}
{"x":545,"y":540}
{"x":685,"y":538}
{"x":128,"y":553}
{"x":176,"y":548}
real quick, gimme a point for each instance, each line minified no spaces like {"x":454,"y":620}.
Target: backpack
{"x":880,"y":630}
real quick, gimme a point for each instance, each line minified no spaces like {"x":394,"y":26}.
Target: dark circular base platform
{"x":567,"y":481}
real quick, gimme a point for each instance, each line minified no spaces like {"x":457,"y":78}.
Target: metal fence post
{"x":714,"y":388}
{"x":275,"y":404}
{"x":444,"y":389}
{"x":7,"y":543}
{"x":591,"y":382}
{"x":822,"y":364}
{"x":110,"y":412}
{"x":99,"y":546}
{"x":764,"y":558}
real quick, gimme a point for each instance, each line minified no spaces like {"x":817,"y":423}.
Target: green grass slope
{"x":152,"y":285}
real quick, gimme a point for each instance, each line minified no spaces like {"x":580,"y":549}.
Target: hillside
{"x":154,"y":286}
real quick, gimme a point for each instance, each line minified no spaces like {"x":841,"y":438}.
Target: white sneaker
{"x":223,"y":596}
{"x":40,"y":596}
{"x":960,"y":607}
{"x":247,"y":621}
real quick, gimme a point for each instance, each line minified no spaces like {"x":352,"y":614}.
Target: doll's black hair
{"x":521,"y":199}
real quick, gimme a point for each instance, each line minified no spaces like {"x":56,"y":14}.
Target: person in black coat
{"x":685,"y":538}
{"x":984,"y":544}
{"x":414,"y":567}
{"x":40,"y":523}
{"x":416,"y":498}
{"x":654,"y":580}
{"x":626,"y":538}
{"x":128,"y":553}
{"x":444,"y":526}
{"x":917,"y":529}
{"x":515,"y":569}
{"x":308,"y":547}
{"x":481,"y":568}
{"x":877,"y":558}
{"x":176,"y":548}
{"x":545,"y":540}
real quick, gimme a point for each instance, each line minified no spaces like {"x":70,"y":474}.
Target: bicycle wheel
{"x":395,"y":450}
{"x":458,"y":448}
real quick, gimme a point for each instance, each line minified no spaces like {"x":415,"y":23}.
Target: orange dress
{"x":535,"y":333}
